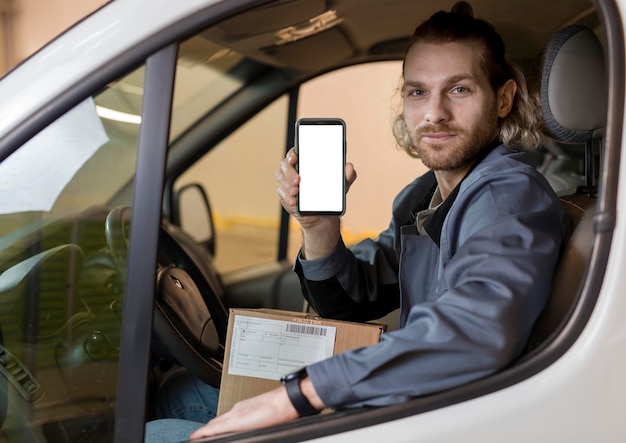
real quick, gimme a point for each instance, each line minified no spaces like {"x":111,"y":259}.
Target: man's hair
{"x":521,"y":127}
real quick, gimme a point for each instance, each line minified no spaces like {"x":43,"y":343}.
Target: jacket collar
{"x":434,"y":224}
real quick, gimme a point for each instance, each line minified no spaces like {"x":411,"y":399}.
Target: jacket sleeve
{"x":329,"y":297}
{"x":361,"y":283}
{"x":498,"y":251}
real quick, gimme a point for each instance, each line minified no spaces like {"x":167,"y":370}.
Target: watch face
{"x":285,"y":378}
{"x":300,"y":373}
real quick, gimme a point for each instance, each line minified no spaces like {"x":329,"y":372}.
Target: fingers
{"x":350,"y":175}
{"x":288,"y":181}
{"x":291,"y":157}
{"x":214,"y":427}
{"x":270,"y":408}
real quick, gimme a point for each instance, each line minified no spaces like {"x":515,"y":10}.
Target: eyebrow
{"x":448,"y":81}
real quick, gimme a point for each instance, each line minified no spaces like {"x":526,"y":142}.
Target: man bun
{"x":463,"y":8}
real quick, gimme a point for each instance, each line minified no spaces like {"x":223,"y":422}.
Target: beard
{"x":458,"y":152}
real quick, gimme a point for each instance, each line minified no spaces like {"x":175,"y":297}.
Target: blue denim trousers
{"x":184,"y":404}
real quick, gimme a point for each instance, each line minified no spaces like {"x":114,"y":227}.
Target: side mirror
{"x":191,"y":211}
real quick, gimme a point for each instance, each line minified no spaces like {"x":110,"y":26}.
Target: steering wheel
{"x":190,"y":320}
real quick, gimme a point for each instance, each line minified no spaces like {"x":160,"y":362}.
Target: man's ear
{"x":505,"y":98}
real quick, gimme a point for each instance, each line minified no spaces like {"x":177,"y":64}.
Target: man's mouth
{"x":437,"y":137}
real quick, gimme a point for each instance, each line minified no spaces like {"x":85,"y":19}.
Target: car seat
{"x":573,"y":92}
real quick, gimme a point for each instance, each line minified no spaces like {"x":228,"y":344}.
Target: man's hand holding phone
{"x":289,"y":185}
{"x":321,"y":233}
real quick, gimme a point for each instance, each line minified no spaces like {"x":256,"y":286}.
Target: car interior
{"x":565,"y":123}
{"x":63,"y":268}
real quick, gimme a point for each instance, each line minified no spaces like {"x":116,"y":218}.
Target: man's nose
{"x":437,"y":111}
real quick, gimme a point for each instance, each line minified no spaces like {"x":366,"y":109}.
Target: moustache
{"x":434,"y":129}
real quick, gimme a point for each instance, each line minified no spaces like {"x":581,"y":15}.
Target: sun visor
{"x":315,"y":52}
{"x":274,"y":16}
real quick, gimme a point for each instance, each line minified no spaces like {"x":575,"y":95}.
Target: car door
{"x":65,"y":267}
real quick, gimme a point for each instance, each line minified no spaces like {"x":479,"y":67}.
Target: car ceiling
{"x":369,"y":29}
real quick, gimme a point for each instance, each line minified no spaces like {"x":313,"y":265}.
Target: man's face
{"x":449,"y":107}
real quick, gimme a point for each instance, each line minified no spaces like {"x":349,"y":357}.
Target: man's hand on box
{"x":268,"y":409}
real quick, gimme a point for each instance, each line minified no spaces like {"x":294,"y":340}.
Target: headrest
{"x":573,"y":85}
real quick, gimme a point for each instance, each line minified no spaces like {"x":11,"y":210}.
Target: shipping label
{"x":267,"y":348}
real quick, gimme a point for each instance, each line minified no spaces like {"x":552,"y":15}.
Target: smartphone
{"x":321,"y":147}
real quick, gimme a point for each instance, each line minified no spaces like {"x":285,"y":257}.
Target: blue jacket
{"x":469,"y":292}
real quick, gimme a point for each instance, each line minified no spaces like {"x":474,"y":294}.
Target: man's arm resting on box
{"x":268,"y":409}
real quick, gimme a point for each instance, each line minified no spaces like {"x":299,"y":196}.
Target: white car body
{"x":578,"y":398}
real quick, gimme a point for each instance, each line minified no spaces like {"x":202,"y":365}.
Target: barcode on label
{"x":306,"y":329}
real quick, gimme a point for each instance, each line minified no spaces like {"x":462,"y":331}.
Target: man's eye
{"x":460,"y":90}
{"x":416,"y":93}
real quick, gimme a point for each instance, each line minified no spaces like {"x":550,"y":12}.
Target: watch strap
{"x":301,"y":404}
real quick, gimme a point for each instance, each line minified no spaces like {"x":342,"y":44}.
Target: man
{"x":470,"y":250}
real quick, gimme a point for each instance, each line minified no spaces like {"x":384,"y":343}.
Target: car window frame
{"x":145,"y":224}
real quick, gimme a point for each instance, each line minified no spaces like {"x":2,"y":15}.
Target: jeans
{"x":169,"y":430}
{"x":184,"y":404}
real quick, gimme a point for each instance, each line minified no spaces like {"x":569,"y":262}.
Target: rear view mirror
{"x":191,"y":211}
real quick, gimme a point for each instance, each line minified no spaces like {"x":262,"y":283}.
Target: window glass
{"x":61,"y":282}
{"x":246,"y":217}
{"x":200,"y":81}
{"x":366,"y":96}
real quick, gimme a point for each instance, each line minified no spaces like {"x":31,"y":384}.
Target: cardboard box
{"x":262,"y":345}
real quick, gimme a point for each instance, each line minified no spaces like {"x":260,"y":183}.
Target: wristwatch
{"x":297,"y":398}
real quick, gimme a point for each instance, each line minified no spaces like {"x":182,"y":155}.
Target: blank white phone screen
{"x":321,"y":168}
